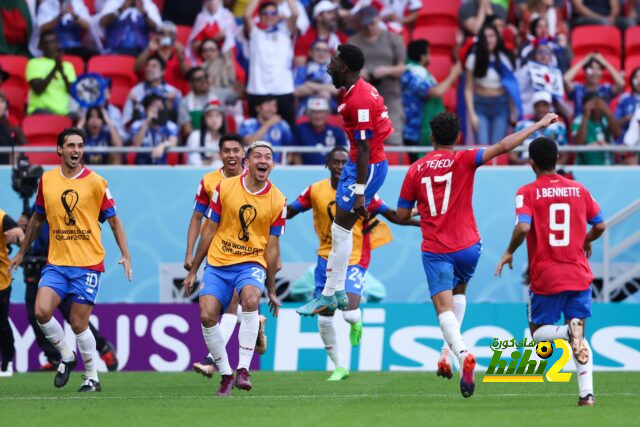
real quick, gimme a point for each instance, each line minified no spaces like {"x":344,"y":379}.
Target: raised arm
{"x":573,"y":72}
{"x":292,"y":20}
{"x":615,"y":75}
{"x":248,"y":16}
{"x":121,"y":240}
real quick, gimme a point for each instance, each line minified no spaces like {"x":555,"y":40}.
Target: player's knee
{"x":250,"y":298}
{"x":78,"y":323}
{"x":208,"y":319}
{"x":43,"y":313}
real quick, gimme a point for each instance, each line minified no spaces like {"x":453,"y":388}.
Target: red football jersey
{"x":442,"y":184}
{"x":558,"y":210}
{"x":365,"y":117}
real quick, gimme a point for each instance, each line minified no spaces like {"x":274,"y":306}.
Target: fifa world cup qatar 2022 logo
{"x":247,"y":214}
{"x":69,"y":199}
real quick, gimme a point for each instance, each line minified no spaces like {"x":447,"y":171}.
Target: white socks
{"x":215,"y":343}
{"x":228,"y":325}
{"x":54,"y":333}
{"x":451,"y":331}
{"x":247,"y":337}
{"x":328,"y":335}
{"x":352,"y":316}
{"x":550,"y":333}
{"x":585,"y":374}
{"x":87,"y":347}
{"x":341,"y":247}
{"x":459,"y":307}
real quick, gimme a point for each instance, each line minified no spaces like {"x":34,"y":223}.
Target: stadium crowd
{"x":186,"y":72}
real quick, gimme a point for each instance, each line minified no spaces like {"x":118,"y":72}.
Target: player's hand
{"x":187,"y":283}
{"x":274,"y":304}
{"x":13,"y":236}
{"x":587,"y":249}
{"x":126,"y":264}
{"x":475,"y":122}
{"x":188,"y":262}
{"x":15,"y":263}
{"x":548,"y":119}
{"x":359,"y":207}
{"x":507,"y":258}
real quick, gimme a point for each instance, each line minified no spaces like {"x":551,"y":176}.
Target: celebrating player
{"x":552,"y":213}
{"x":442,"y":184}
{"x":320,"y":196}
{"x":367,"y":124}
{"x":73,"y":199}
{"x":247,"y":216}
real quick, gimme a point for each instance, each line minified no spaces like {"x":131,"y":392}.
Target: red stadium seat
{"x":120,"y":69}
{"x":77,"y":62}
{"x":501,"y":160}
{"x":632,"y":41}
{"x":184,"y":31}
{"x":395,"y":158}
{"x":596,"y":38}
{"x":442,"y":39}
{"x":440,"y":65}
{"x":17,"y":98}
{"x":439,"y":12}
{"x":160,"y":4}
{"x":450,"y":100}
{"x":42,"y":130}
{"x":15,"y":65}
{"x":613,"y":60}
{"x":91,"y":6}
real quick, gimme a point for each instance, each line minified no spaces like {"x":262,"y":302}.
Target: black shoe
{"x":108,"y":355}
{"x":90,"y":385}
{"x":588,"y":400}
{"x":64,"y":371}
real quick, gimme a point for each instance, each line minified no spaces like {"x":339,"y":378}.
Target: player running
{"x":552,"y":213}
{"x":367,"y":125}
{"x":442,"y":184}
{"x":73,"y":200}
{"x":320,"y":196}
{"x":241,"y":241}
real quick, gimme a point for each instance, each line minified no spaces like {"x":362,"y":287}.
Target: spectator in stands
{"x":100,"y":131}
{"x":267,"y":126}
{"x":629,"y":102}
{"x":385,"y":53}
{"x":557,"y":131}
{"x":422,"y":94}
{"x":192,"y":105}
{"x":127,"y":25}
{"x":317,"y":132}
{"x":548,"y":9}
{"x":324,"y":28}
{"x":214,"y":22}
{"x":632,"y":138}
{"x":153,"y":83}
{"x":599,"y":12}
{"x":271,"y":57}
{"x":16,"y":27}
{"x":154,"y":130}
{"x":49,"y":78}
{"x":539,"y":35}
{"x":9,"y":135}
{"x":165,"y":45}
{"x":634,"y":11}
{"x":473,"y":13}
{"x":593,"y":66}
{"x":207,"y":135}
{"x":402,"y":12}
{"x":489,"y":87}
{"x":220,"y":70}
{"x":596,"y":125}
{"x":313,"y":80}
{"x":71,"y":21}
{"x":302,"y":20}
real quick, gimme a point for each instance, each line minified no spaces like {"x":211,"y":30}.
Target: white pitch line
{"x":303,"y":396}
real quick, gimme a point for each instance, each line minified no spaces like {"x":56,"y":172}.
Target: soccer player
{"x":320,"y":196}
{"x":73,"y":200}
{"x":552,"y":213}
{"x":367,"y":125}
{"x":242,"y":243}
{"x":442,"y":184}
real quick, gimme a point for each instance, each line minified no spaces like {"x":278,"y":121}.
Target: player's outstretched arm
{"x":203,"y":247}
{"x":121,"y":240}
{"x":393,"y":217}
{"x":362,"y":167}
{"x":509,"y":142}
{"x":272,"y":257}
{"x":291,"y":211}
{"x":192,"y":236}
{"x":33,"y":230}
{"x":519,"y":234}
{"x":594,"y":233}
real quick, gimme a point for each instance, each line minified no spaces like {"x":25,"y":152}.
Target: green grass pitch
{"x":306,"y":399}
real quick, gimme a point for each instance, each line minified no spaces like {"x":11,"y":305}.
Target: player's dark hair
{"x":544,"y":152}
{"x":62,"y":136}
{"x":445,"y":128}
{"x":333,"y":151}
{"x":352,"y":56}
{"x":265,"y":5}
{"x":158,"y":58}
{"x":230,"y":137}
{"x":416,"y":49}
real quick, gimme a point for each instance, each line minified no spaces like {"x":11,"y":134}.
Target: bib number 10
{"x":427,"y":181}
{"x":564,"y":226}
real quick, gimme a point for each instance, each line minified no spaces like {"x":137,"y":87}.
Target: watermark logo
{"x":521,"y":368}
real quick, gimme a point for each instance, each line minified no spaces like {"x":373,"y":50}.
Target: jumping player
{"x":552,"y":214}
{"x":320,"y":196}
{"x":241,"y":241}
{"x":367,"y":124}
{"x":442,"y":184}
{"x":73,"y":200}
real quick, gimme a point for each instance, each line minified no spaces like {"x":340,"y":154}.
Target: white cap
{"x":317,"y":104}
{"x":324,"y":6}
{"x":541,"y":96}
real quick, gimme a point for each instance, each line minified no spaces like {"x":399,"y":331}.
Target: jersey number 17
{"x":429,"y":183}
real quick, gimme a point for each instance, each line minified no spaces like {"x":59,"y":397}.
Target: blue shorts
{"x":221,"y":281}
{"x":82,"y":283}
{"x":353,"y":283}
{"x":345,"y":193}
{"x":444,"y":271}
{"x":546,"y":309}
